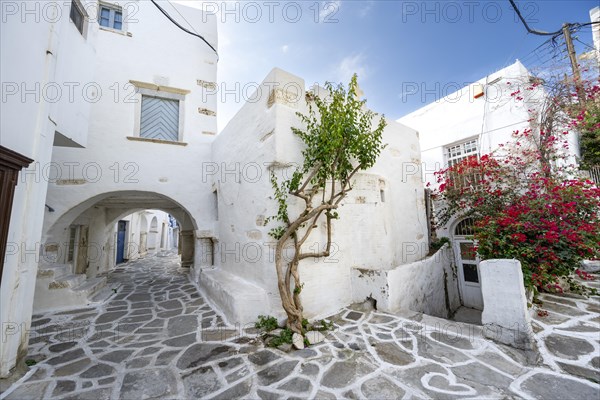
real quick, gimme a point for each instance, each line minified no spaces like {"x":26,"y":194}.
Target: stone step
{"x":53,"y":271}
{"x":67,"y":281}
{"x":91,"y":286}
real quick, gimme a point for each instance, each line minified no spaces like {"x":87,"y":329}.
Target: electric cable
{"x":166,"y":14}
{"x":535,"y":32}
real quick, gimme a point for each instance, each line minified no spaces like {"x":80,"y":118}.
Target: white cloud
{"x":366,"y":9}
{"x":285,"y":48}
{"x":349,"y":66}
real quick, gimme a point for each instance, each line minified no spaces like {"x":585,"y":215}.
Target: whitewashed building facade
{"x":130,"y":146}
{"x":474,"y":121}
{"x":109,"y":115}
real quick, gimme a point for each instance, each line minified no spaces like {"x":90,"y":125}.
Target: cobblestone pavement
{"x":158,"y":338}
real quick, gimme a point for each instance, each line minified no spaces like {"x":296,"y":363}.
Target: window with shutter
{"x":77,"y":16}
{"x":159,"y":118}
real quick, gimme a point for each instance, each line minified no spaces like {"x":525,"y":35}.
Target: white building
{"x":595,"y":17}
{"x":475,"y":121}
{"x":131,"y":142}
{"x":382,"y":223}
{"x":36,"y":114}
{"x":84,"y":96}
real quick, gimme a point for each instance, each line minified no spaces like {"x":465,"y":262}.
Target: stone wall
{"x":505,"y":315}
{"x":429,"y":286}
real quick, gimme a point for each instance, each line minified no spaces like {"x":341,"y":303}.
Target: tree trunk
{"x":290,"y":304}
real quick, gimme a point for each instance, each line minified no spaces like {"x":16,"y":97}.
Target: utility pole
{"x":573,"y":57}
{"x":566,"y":31}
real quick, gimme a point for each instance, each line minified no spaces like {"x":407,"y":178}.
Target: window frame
{"x":450,"y":160}
{"x":165,"y":92}
{"x":71,"y":253}
{"x":112,"y":9}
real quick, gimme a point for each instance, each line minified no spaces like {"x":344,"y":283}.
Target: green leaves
{"x":339,"y":140}
{"x":266,"y":323}
{"x":281,"y":196}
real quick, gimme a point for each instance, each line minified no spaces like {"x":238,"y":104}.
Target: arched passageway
{"x":91,"y":238}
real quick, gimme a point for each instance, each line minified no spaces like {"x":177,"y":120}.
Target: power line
{"x":567,"y":30}
{"x":585,"y":44}
{"x":535,"y":32}
{"x":182,"y":16}
{"x":166,"y":14}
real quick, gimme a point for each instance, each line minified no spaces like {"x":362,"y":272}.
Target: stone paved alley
{"x":158,"y":338}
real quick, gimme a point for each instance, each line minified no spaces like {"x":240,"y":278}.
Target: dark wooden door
{"x":11,"y":163}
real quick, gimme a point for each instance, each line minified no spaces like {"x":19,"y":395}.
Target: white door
{"x":468,"y":272}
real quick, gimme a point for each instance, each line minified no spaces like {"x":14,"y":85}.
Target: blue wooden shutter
{"x":160,"y":119}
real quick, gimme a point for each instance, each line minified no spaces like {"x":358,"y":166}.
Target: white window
{"x":458,"y":152}
{"x":159,"y":118}
{"x":110,"y":16}
{"x":77,"y":15}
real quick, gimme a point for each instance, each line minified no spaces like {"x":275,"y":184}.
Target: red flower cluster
{"x":539,"y":216}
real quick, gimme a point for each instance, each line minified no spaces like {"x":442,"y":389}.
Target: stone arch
{"x":101,"y":212}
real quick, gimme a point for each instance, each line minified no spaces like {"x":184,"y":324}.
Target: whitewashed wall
{"x":429,"y":286}
{"x":370,"y":233}
{"x":114,"y":165}
{"x":505,"y":314}
{"x":35,"y":48}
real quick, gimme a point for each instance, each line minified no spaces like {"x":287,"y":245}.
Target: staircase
{"x":56,"y":287}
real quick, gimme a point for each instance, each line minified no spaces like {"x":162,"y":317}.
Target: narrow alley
{"x":157,"y":337}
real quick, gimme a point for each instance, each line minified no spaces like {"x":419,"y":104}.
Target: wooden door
{"x":81,"y":264}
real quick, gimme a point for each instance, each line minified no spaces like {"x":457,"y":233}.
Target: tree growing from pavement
{"x":339,"y":141}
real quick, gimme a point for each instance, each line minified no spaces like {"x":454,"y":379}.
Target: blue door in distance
{"x":121,"y":242}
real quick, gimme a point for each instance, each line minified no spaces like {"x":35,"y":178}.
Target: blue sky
{"x":436,"y":45}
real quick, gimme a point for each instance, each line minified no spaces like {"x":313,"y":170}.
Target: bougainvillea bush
{"x":549,"y":229}
{"x":525,"y":197}
{"x":533,"y":211}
